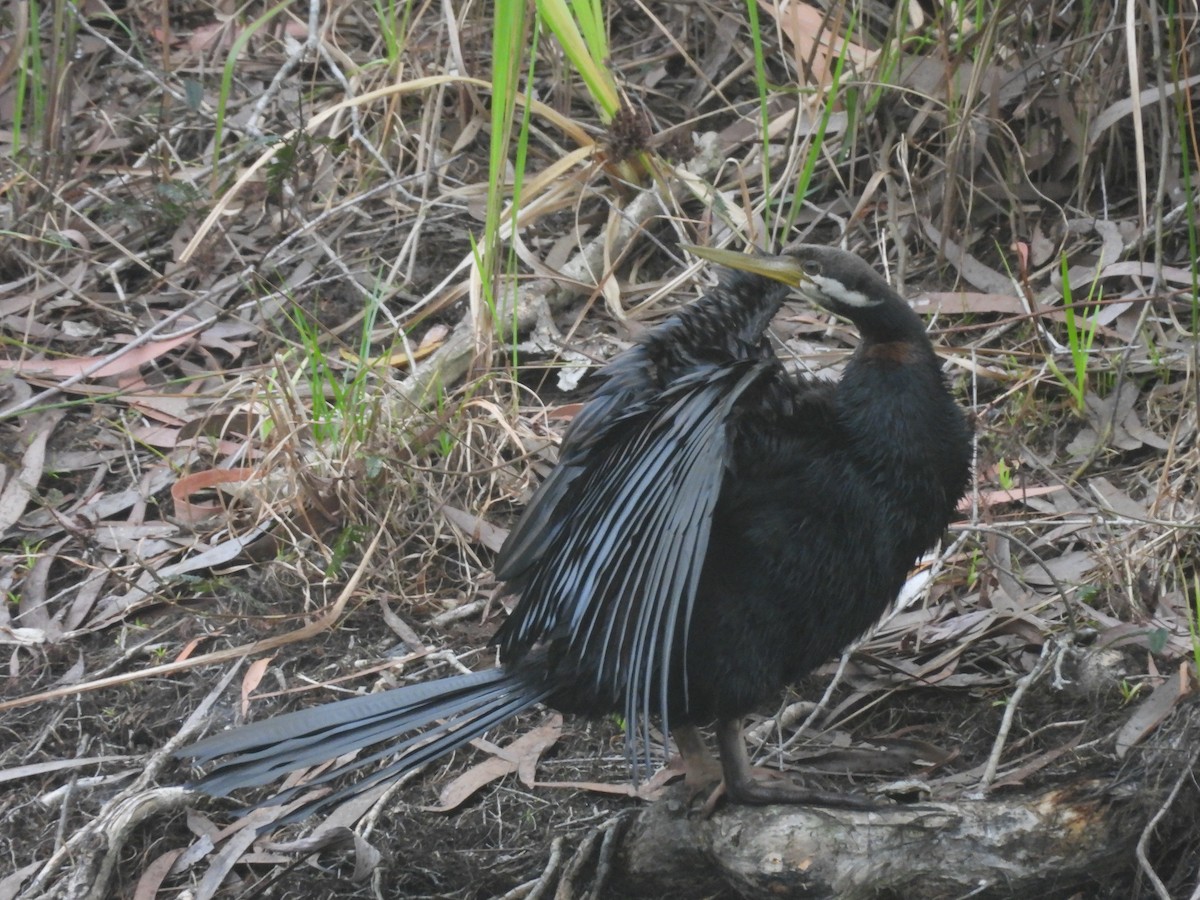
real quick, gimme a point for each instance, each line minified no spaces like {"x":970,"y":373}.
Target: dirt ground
{"x":264,"y":430}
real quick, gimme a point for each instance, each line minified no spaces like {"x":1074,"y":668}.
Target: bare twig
{"x":1049,"y":650}
{"x":1186,"y":773}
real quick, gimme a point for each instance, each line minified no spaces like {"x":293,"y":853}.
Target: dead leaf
{"x":25,"y":637}
{"x":476,"y":528}
{"x":519,"y":756}
{"x":1134,"y":269}
{"x":345,"y":840}
{"x":87,"y":593}
{"x":153,"y":876}
{"x":988,"y":499}
{"x":72,"y":366}
{"x":972,"y":270}
{"x":1121,"y":108}
{"x":1151,"y":711}
{"x":967,"y":303}
{"x":433,"y":338}
{"x":623,"y":789}
{"x":564,"y":413}
{"x":1039,"y":762}
{"x":96,"y":508}
{"x":34,"y":770}
{"x":1070,"y":569}
{"x":196,"y":513}
{"x":117,"y":606}
{"x":815,"y":45}
{"x":1116,"y":499}
{"x":1107,"y":416}
{"x":252,"y":679}
{"x":190,"y":647}
{"x":19,"y":301}
{"x":33,"y":607}
{"x":212,"y":36}
{"x":19,"y":485}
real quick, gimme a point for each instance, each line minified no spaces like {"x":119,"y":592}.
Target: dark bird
{"x":714,"y":530}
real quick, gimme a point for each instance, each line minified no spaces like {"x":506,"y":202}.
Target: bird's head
{"x":837,"y":280}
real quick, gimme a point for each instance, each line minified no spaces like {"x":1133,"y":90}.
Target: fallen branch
{"x":1036,"y":845}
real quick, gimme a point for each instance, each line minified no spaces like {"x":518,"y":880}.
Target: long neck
{"x":893,"y":399}
{"x":904,"y":429}
{"x":891,"y":321}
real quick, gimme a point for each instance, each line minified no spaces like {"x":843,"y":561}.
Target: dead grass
{"x":240,"y":249}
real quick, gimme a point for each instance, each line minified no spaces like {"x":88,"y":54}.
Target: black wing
{"x":631,"y":383}
{"x":607,"y":558}
{"x":699,"y":350}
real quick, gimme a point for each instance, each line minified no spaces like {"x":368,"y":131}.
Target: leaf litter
{"x":161,"y":346}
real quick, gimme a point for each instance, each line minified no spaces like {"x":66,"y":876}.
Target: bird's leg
{"x":741,"y":785}
{"x":700,"y":767}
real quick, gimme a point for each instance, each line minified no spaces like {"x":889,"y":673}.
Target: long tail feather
{"x":432,"y":719}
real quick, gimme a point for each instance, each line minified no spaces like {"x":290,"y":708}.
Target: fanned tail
{"x":433,"y":719}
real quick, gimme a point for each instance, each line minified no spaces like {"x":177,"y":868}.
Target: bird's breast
{"x":900,"y":353}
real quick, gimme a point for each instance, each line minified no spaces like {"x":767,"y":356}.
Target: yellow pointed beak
{"x":780,"y":268}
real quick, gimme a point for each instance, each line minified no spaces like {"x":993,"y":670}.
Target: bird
{"x":715,"y":528}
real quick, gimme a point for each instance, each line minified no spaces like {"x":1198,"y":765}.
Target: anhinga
{"x":714,"y":530}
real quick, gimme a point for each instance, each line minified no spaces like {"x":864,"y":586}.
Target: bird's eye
{"x":811,"y":267}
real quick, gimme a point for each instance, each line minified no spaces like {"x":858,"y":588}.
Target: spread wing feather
{"x":611,"y":594}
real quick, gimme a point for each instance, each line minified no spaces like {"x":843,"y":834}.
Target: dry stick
{"x":453,"y":358}
{"x":154,"y":332}
{"x":83,"y":842}
{"x":1010,"y":711}
{"x":534,"y":890}
{"x":151,"y":333}
{"x":303,"y":51}
{"x":324,"y":623}
{"x":1143,"y":861}
{"x":583,"y":855}
{"x":614,"y":830}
